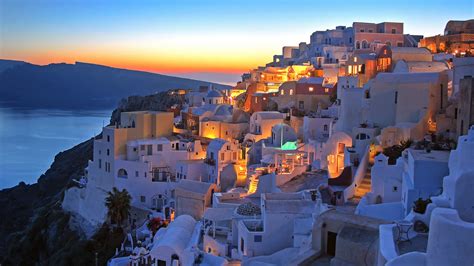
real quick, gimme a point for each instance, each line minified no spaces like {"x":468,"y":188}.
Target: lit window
{"x":291,"y":91}
{"x":326,"y":90}
{"x":311,"y":89}
{"x":282,"y":92}
{"x":256,"y":100}
{"x":355,"y":59}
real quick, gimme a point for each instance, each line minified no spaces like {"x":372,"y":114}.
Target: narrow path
{"x":363,"y":188}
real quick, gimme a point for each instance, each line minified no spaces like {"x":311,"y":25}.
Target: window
{"x":108,"y":138}
{"x":108,"y":152}
{"x":394,"y":189}
{"x":257,"y":238}
{"x":325,"y":128}
{"x":365,"y":44}
{"x":311,"y":89}
{"x":100,"y":163}
{"x":362,"y":30}
{"x":362,"y":136}
{"x":370,"y":31}
{"x":282,"y":92}
{"x":350,"y":39}
{"x":222,"y":156}
{"x":159,"y":147}
{"x":357,"y":46}
{"x":228,"y":147}
{"x":301,"y":105}
{"x":234,"y":156}
{"x":455,"y":113}
{"x":399,"y":44}
{"x":291,"y":91}
{"x":184,"y":176}
{"x":241,"y":244}
{"x":396,"y":97}
{"x":142,"y":199}
{"x":326,"y":90}
{"x":136,"y":173}
{"x":142,"y":147}
{"x":122,"y":173}
{"x":256,"y":100}
{"x":394,"y":31}
{"x":134,"y":149}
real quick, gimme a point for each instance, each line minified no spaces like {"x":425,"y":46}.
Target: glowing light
{"x":289,"y":146}
{"x":311,"y":89}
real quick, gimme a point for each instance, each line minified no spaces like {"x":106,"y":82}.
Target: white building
{"x":219,"y":154}
{"x":109,"y":167}
{"x":450,"y":218}
{"x":261,"y":124}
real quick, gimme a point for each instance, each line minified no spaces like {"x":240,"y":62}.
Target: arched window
{"x":357,"y":45}
{"x":365,"y":44}
{"x":291,"y":91}
{"x":122,"y":173}
{"x":388,"y":43}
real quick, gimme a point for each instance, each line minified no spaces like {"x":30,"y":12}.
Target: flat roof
{"x":422,"y":155}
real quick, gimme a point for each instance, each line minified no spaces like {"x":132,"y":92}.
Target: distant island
{"x":81,"y":86}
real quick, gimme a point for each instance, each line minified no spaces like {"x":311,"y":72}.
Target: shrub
{"x":420,"y":205}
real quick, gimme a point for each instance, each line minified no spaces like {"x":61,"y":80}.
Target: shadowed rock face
{"x":24,"y":206}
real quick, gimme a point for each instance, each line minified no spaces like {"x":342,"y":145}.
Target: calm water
{"x":29,"y":139}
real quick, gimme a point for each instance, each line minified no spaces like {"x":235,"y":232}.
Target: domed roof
{"x":213,"y":94}
{"x":248,"y":209}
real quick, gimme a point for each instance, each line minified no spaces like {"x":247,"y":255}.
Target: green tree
{"x":118,"y":203}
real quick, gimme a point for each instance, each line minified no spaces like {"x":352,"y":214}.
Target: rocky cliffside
{"x":33,"y":228}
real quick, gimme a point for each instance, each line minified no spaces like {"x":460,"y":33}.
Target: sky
{"x":212,"y":40}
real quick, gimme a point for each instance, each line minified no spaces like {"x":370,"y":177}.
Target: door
{"x":331,"y":243}
{"x":149,"y":149}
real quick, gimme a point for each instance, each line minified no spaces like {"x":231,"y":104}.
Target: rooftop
{"x":422,"y":155}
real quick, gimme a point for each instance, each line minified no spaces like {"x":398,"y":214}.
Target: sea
{"x":30,"y":138}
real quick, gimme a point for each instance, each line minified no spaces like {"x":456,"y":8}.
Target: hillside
{"x":34,"y":229}
{"x":80,"y":85}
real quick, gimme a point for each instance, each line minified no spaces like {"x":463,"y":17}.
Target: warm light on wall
{"x":311,"y":89}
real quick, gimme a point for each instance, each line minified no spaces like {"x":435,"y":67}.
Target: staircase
{"x":253,"y":184}
{"x":364,"y":187}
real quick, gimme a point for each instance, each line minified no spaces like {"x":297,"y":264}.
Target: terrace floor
{"x":418,"y":243}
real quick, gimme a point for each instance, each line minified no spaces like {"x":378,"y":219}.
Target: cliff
{"x":34,"y":229}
